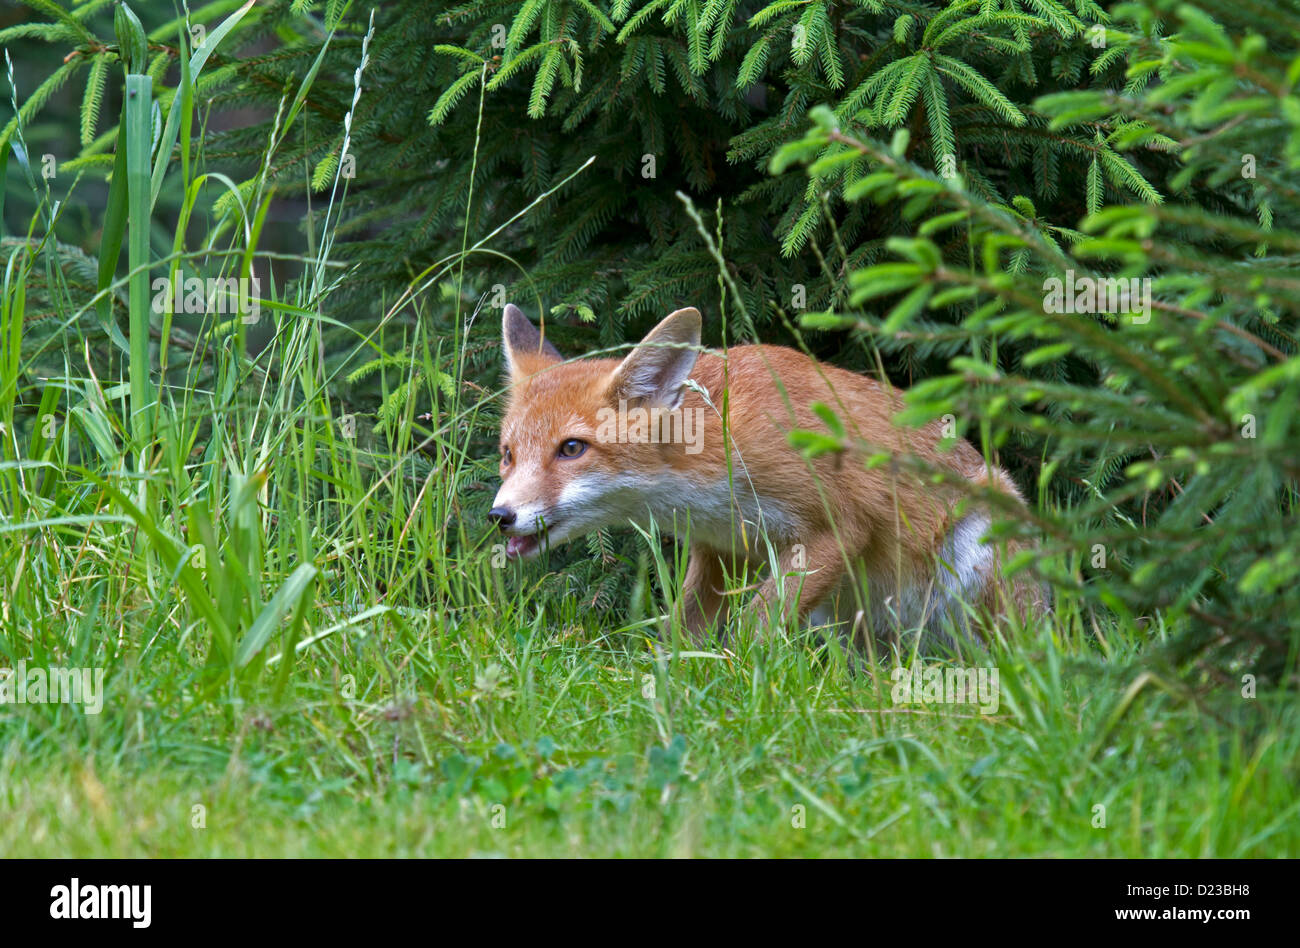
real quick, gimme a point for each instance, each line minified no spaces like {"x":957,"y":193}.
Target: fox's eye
{"x":572,"y":448}
{"x":506,"y":456}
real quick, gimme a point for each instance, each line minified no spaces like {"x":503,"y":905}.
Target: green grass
{"x":303,"y":634}
{"x":488,"y":733}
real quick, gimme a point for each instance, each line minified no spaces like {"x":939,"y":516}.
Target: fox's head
{"x":561,"y":474}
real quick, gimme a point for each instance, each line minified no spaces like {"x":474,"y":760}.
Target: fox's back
{"x":770,"y":392}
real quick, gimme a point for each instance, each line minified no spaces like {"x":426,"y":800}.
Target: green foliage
{"x":1171,"y":404}
{"x":300,"y":619}
{"x":553,"y":152}
{"x":666,"y":97}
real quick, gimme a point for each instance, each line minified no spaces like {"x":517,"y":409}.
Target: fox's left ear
{"x":662,"y":362}
{"x":526,"y":351}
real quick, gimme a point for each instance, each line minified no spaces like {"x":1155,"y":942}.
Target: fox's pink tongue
{"x":520,"y":546}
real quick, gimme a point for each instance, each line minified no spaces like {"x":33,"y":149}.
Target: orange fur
{"x":824,"y":518}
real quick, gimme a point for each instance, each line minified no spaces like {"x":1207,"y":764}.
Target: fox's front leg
{"x":702,"y":600}
{"x":806,"y":574}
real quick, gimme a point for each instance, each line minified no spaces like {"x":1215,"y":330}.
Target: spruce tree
{"x":1165,"y":417}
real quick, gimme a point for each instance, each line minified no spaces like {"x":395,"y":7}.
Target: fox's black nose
{"x":502,"y":516}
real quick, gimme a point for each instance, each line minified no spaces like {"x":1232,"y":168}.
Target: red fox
{"x":601,"y":442}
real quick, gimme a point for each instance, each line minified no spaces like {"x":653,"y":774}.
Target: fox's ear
{"x":657,"y":368}
{"x":526,"y":351}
